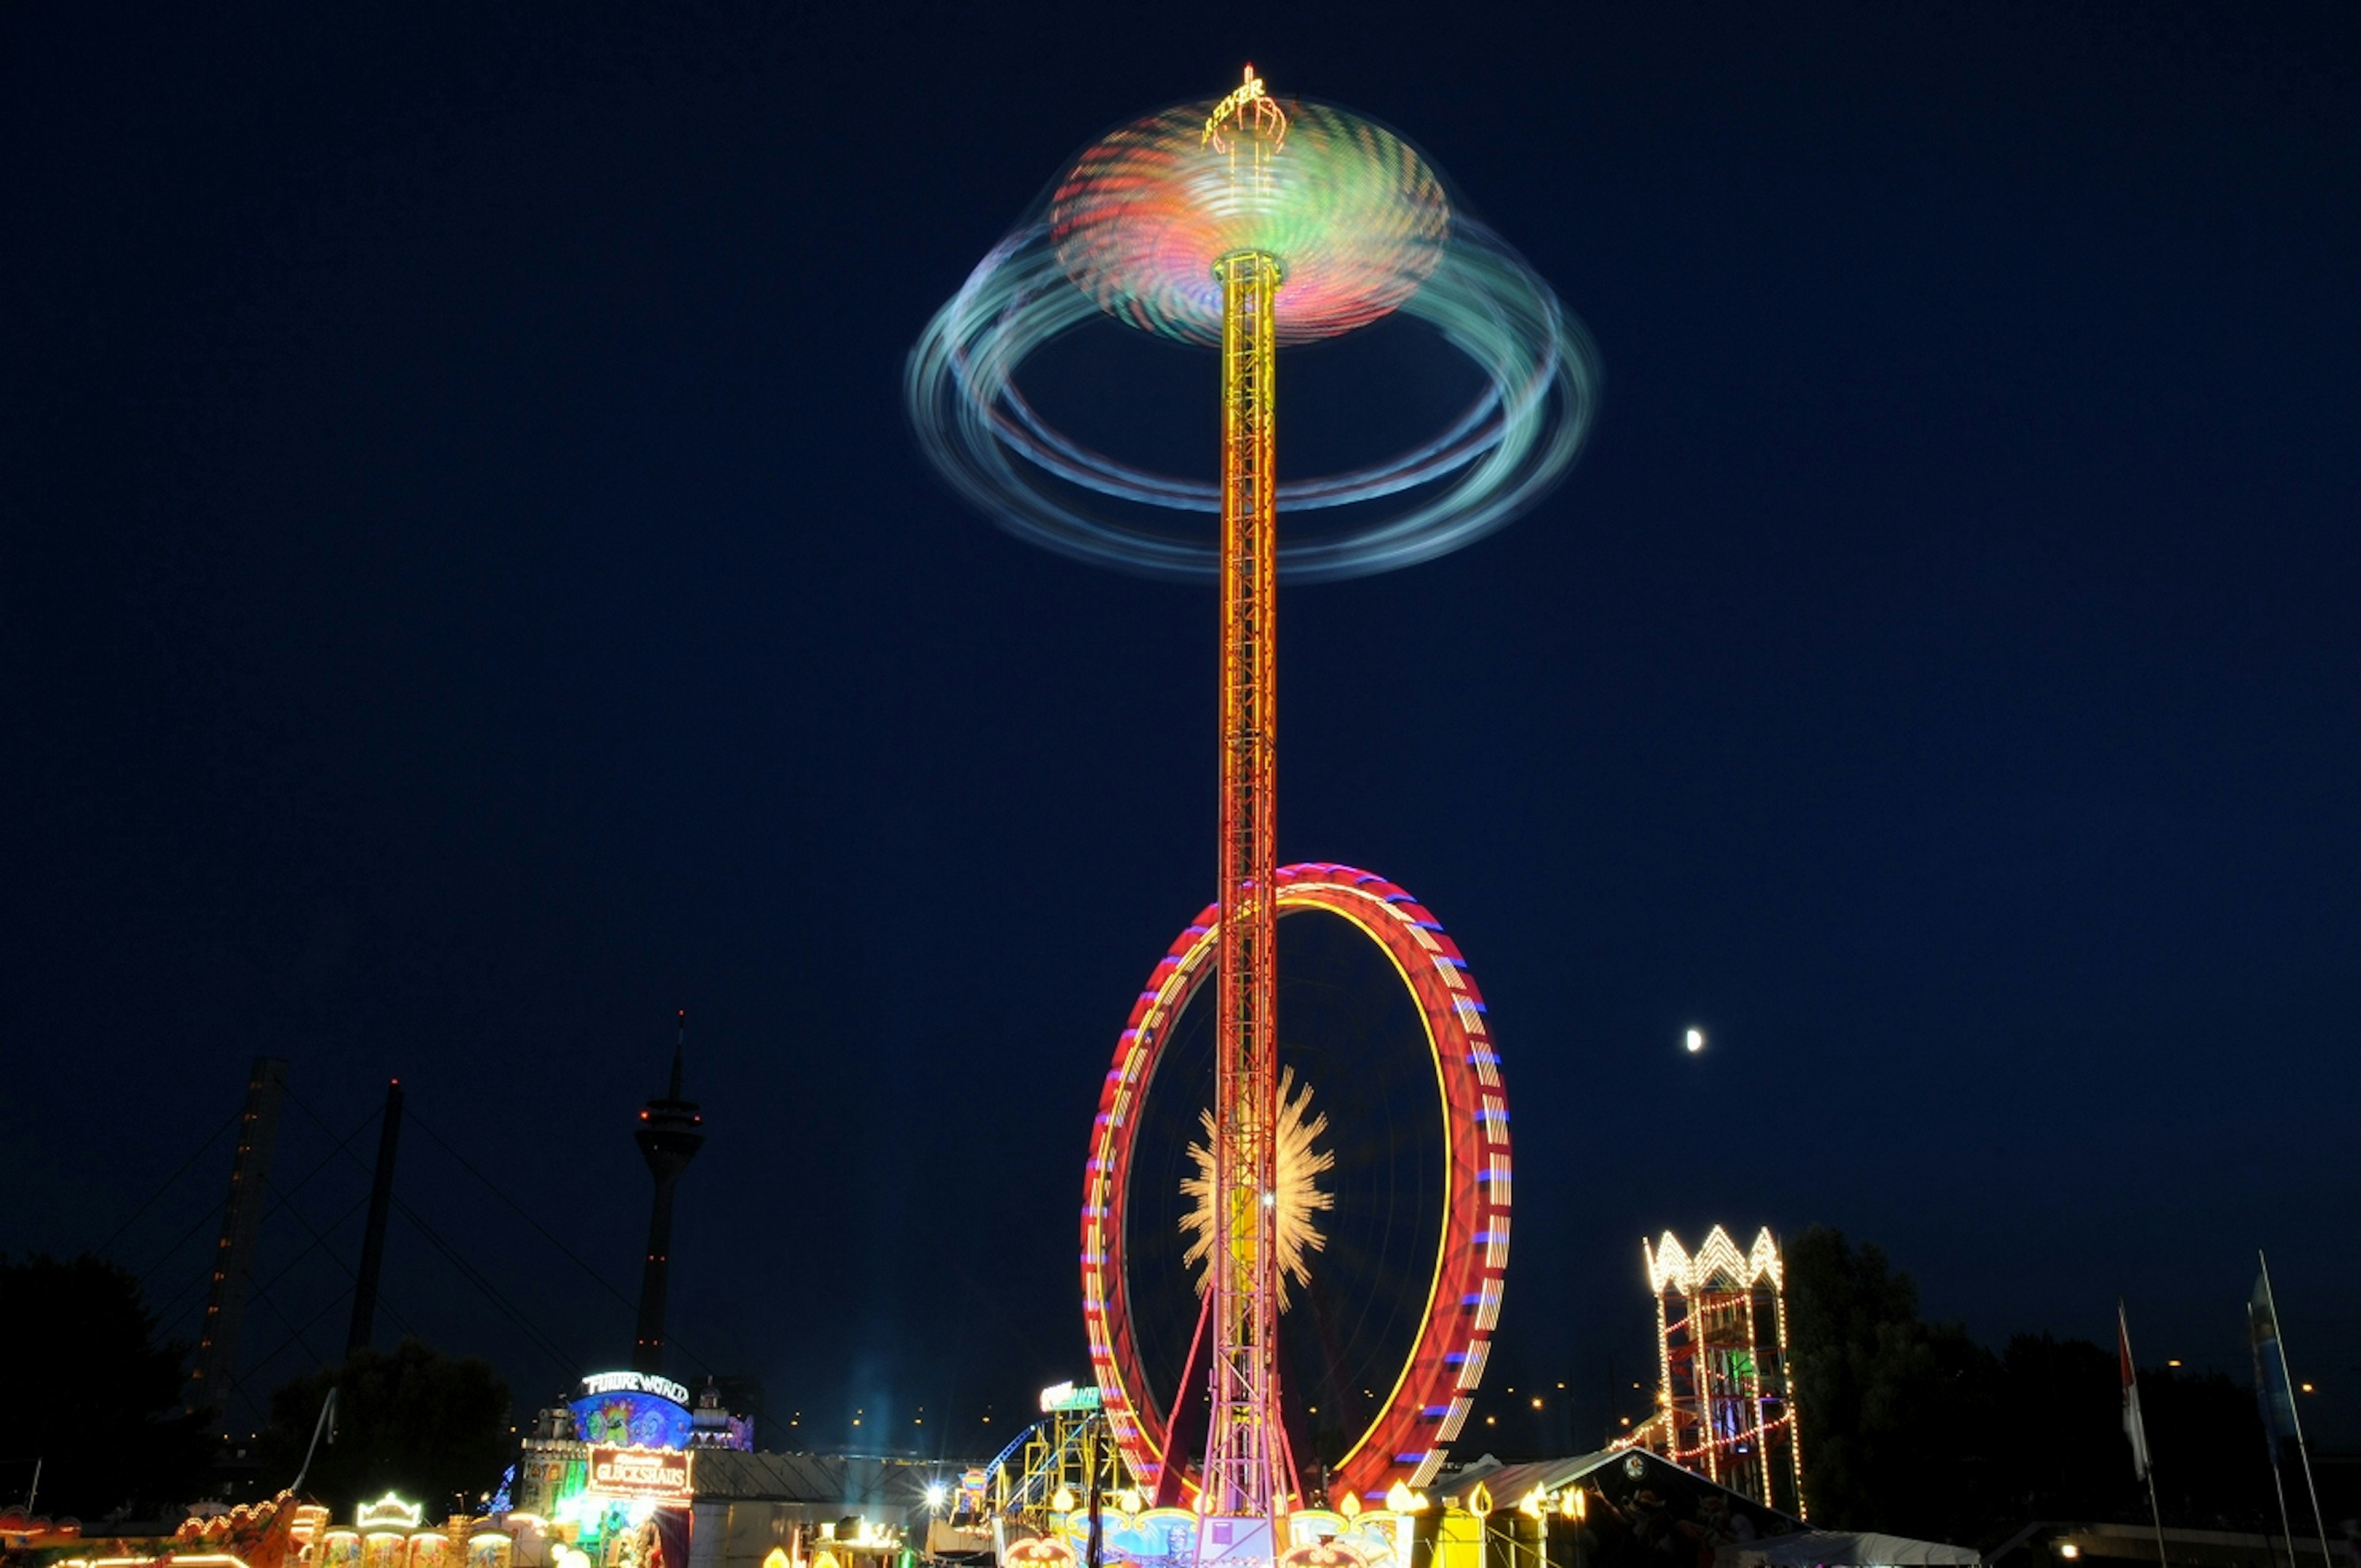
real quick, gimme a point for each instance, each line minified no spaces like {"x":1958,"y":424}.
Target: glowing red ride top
{"x":1353,"y":216}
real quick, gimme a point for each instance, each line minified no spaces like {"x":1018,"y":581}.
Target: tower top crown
{"x":669,"y":1131}
{"x":1249,"y":113}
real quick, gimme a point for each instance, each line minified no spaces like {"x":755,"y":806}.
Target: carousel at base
{"x":1619,"y":1507}
{"x":634,"y":1472}
{"x":285,"y":1533}
{"x":712,"y":1508}
{"x":616,"y":1530}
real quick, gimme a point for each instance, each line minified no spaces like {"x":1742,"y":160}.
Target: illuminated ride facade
{"x":1244,"y":227}
{"x":1725,"y":1404}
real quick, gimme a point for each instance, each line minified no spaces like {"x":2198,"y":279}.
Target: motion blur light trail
{"x":1360,"y":218}
{"x":1366,"y":229}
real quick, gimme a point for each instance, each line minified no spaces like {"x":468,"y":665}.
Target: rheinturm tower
{"x":669,"y":1138}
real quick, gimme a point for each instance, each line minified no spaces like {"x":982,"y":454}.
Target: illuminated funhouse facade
{"x":1724,"y":1407}
{"x":621,"y":1447}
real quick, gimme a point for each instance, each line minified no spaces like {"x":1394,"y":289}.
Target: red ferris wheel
{"x":1392,"y":1191}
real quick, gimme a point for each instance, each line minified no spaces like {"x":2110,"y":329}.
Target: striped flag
{"x":2281,"y":1420}
{"x":2134,"y":1428}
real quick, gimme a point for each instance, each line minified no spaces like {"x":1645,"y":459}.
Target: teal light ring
{"x":1494,"y":460}
{"x":1044,"y":443}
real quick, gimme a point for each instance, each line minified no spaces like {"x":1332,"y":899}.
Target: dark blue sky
{"x":469,"y":590}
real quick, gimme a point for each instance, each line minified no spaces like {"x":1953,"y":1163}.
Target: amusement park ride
{"x":1725,"y":1403}
{"x":1244,"y":227}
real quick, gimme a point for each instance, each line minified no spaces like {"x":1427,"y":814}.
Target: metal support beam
{"x":250,"y":1174}
{"x":389,"y":1143}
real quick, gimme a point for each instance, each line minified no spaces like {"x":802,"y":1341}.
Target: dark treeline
{"x":97,"y":1395}
{"x":1909,"y":1426}
{"x":1915,"y":1428}
{"x":99,"y":1402}
{"x":410,"y":1421}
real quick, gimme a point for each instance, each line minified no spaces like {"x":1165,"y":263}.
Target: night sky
{"x":471,"y":590}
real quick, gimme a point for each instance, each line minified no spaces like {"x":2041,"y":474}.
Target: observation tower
{"x":669,"y":1134}
{"x":1245,"y":225}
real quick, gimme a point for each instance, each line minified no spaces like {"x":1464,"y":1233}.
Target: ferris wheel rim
{"x":1407,"y":1437}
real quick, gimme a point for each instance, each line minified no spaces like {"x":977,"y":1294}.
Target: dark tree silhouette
{"x":1912,"y":1427}
{"x":2206,"y":1438}
{"x":97,"y":1395}
{"x":1896,"y":1412}
{"x":2061,"y":1410}
{"x":410,"y":1421}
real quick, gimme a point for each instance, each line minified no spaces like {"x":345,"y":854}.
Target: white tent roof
{"x":1810,"y":1548}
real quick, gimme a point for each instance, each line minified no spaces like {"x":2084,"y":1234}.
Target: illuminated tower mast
{"x":668,"y":1139}
{"x":1247,"y":1473}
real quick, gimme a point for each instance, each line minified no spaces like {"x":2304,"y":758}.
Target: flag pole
{"x":2136,"y":1427}
{"x":2270,"y":1440}
{"x":2303,"y":1450}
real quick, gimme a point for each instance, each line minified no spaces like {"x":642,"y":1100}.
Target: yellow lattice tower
{"x":1248,"y":1474}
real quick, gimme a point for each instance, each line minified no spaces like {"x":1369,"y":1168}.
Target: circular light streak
{"x":1360,"y":227}
{"x":1409,"y":1432}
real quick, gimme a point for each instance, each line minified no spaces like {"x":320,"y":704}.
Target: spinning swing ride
{"x":1221,"y":1204}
